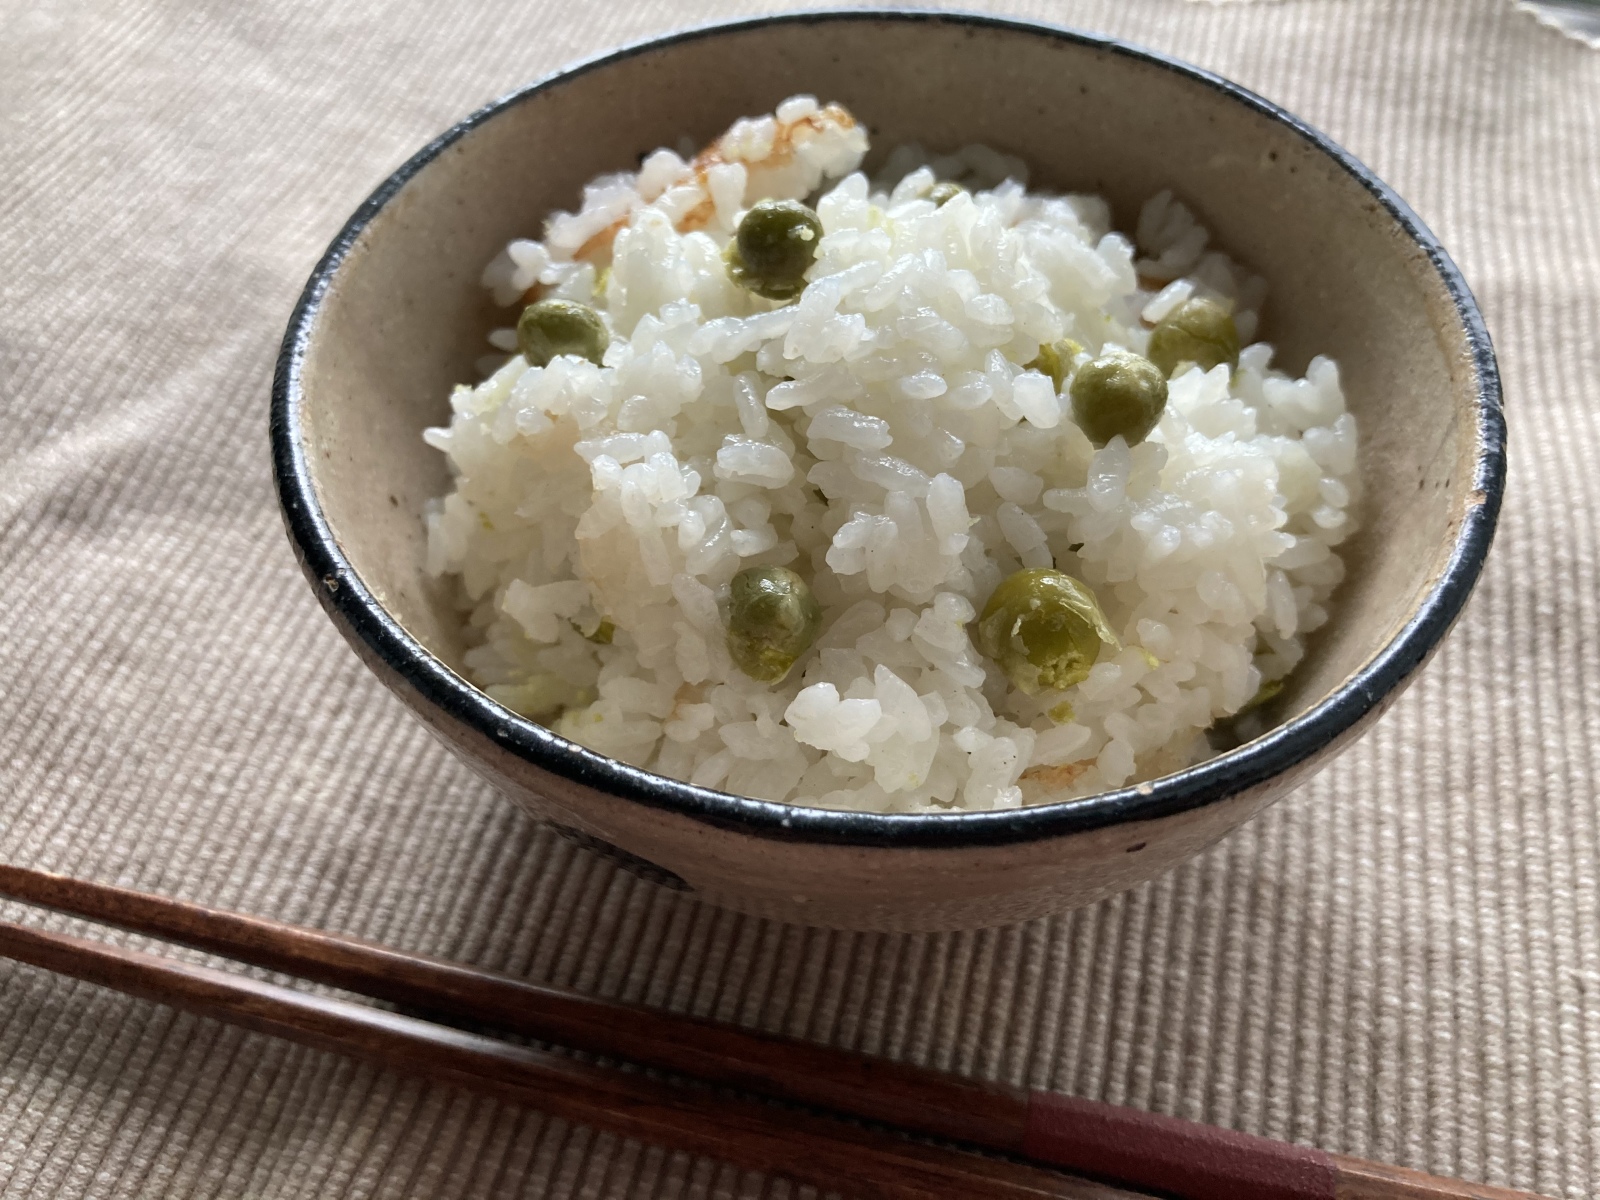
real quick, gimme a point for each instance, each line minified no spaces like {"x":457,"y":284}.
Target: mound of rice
{"x":880,"y":436}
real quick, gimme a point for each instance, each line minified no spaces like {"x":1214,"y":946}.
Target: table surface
{"x":1401,"y":961}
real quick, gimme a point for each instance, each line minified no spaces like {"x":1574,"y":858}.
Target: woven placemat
{"x":1402,"y":961}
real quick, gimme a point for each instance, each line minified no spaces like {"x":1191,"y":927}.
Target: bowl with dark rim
{"x":394,"y":315}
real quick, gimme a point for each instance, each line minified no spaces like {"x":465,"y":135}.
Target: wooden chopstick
{"x":1138,"y":1149}
{"x":828,"y":1154}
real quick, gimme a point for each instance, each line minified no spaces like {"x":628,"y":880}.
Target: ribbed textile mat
{"x":1402,"y":961}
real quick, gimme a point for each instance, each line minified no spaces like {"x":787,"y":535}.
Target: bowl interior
{"x":404,"y":317}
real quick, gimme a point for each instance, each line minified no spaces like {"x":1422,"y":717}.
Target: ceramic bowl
{"x":393,"y":316}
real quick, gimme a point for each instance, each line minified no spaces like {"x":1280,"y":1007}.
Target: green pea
{"x":1055,"y":360}
{"x":1044,"y":629}
{"x":943,"y":192}
{"x":552,"y":327}
{"x":1198,"y":331}
{"x":601,"y":635}
{"x":772,"y":620}
{"x":773,"y":248}
{"x":1118,"y":393}
{"x":1264,"y":694}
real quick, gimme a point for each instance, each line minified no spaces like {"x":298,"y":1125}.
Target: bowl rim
{"x":1275,"y":752}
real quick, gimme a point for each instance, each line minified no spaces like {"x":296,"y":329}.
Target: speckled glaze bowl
{"x":393,"y":316}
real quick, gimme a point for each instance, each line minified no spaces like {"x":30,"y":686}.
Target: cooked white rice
{"x":879,"y":436}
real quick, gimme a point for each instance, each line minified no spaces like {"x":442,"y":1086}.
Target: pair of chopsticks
{"x":998,"y":1141}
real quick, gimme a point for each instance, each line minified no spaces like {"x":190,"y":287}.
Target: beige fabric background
{"x":1402,"y":961}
